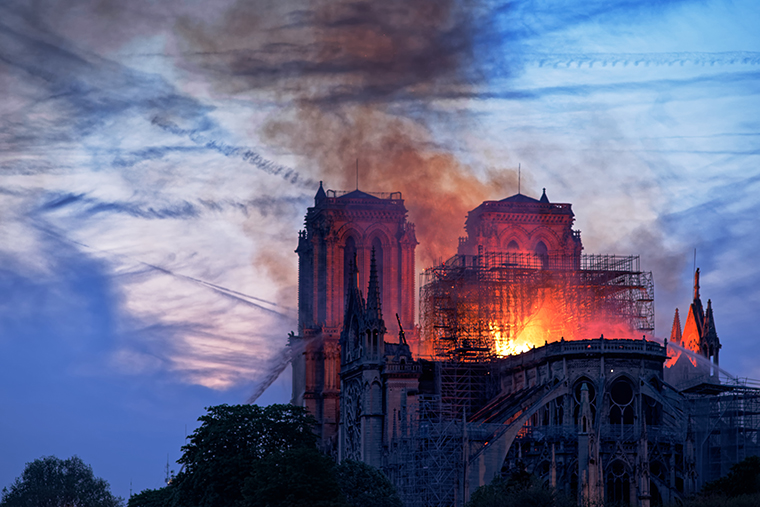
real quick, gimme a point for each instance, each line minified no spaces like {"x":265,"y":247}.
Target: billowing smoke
{"x":356,"y":80}
{"x":392,"y":156}
{"x":184,"y":117}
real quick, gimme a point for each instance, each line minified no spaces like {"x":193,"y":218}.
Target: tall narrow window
{"x":618,"y":483}
{"x":621,"y":402}
{"x":543,"y":254}
{"x":349,"y":254}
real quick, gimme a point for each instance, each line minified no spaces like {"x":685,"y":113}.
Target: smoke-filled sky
{"x":157,"y":158}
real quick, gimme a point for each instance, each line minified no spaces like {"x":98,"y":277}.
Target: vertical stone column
{"x":333,"y":315}
{"x":317,"y":268}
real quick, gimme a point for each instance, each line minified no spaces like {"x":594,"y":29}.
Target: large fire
{"x":502,"y":319}
{"x":549,"y":325}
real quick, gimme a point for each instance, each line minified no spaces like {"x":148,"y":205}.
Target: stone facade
{"x":341,"y":229}
{"x":595,"y":417}
{"x":521,"y":224}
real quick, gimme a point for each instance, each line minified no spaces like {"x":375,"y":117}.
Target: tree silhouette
{"x":52,"y":482}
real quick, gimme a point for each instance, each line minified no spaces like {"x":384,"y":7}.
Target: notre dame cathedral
{"x":527,"y":355}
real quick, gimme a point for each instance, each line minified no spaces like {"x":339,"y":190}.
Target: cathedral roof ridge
{"x":522,"y":204}
{"x":357,"y":194}
{"x":360,"y":194}
{"x":518,"y":197}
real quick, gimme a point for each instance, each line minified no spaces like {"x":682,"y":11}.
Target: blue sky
{"x":157,"y":158}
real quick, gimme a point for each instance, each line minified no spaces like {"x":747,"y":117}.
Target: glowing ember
{"x":503,"y":346}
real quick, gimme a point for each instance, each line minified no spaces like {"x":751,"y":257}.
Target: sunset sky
{"x":157,"y":159}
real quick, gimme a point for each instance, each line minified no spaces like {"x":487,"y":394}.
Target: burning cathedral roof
{"x":519,"y":281}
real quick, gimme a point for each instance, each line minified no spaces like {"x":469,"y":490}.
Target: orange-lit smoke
{"x":362,"y":80}
{"x":383,"y":64}
{"x":395,"y":155}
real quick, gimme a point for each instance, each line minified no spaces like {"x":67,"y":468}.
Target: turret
{"x":675,"y":332}
{"x":710,"y":340}
{"x":321,"y":195}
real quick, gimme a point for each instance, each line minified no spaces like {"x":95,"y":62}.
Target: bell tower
{"x":340,"y":229}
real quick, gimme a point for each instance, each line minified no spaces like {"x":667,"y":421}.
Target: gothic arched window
{"x":378,"y":246}
{"x":543,"y":254}
{"x":621,"y":402}
{"x":349,"y":257}
{"x":618,"y":483}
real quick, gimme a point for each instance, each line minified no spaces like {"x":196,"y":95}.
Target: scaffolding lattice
{"x":426,"y":463}
{"x":469,"y":305}
{"x":726,"y":429}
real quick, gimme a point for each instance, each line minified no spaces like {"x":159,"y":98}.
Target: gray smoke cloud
{"x":170,"y":107}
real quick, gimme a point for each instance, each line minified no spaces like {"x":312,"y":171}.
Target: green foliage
{"x":52,"y":482}
{"x":739,"y":488}
{"x":521,"y":489}
{"x":365,"y":485}
{"x":743,"y":479}
{"x":249,"y":456}
{"x":301,"y":477}
{"x":231,"y":441}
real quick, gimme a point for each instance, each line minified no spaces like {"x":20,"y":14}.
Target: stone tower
{"x":523,"y":225}
{"x":340,"y":229}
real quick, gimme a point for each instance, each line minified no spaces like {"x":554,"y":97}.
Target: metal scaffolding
{"x":725,"y":426}
{"x":426,"y":463}
{"x":465,"y":385}
{"x":474,"y":307}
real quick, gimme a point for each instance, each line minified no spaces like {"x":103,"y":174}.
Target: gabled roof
{"x":358,"y":194}
{"x":520,"y":198}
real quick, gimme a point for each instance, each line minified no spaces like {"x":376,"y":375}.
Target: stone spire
{"x":697,"y":311}
{"x":675,"y":332}
{"x":354,"y":298}
{"x":374,"y":303}
{"x":711,"y":335}
{"x":710,"y":321}
{"x":321,"y":196}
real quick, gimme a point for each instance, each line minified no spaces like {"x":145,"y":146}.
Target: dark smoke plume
{"x":356,"y":81}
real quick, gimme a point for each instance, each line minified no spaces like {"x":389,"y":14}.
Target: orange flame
{"x":550,"y":323}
